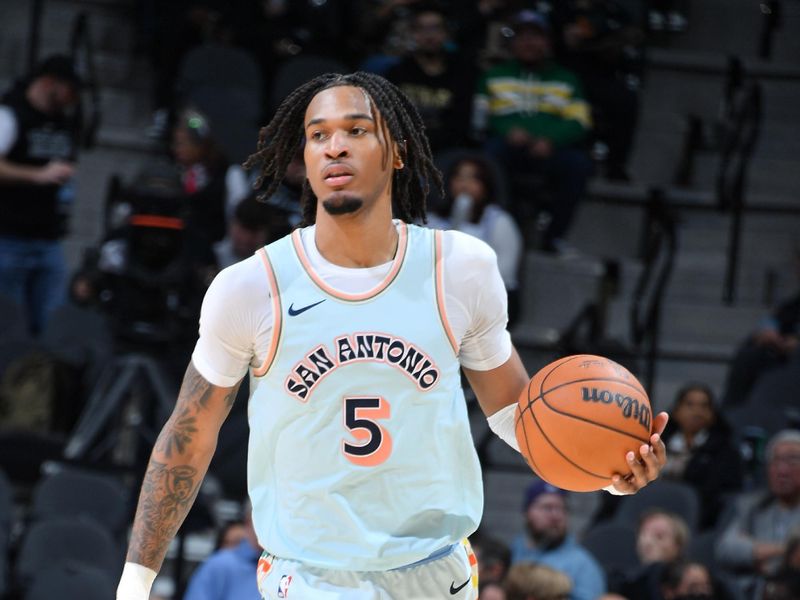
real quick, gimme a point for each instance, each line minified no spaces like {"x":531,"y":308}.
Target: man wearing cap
{"x":38,"y":146}
{"x":546,"y":542}
{"x":536,"y":119}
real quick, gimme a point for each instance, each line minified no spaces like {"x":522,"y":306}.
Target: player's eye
{"x":317,"y":136}
{"x":358,"y":130}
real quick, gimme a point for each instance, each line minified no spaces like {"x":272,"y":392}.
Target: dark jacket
{"x":714,"y":469}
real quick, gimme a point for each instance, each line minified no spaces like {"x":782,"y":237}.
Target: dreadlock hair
{"x":280,"y":140}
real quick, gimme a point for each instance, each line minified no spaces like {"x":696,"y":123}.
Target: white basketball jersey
{"x":360,"y":454}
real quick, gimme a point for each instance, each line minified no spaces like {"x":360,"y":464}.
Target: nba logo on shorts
{"x":283,"y":586}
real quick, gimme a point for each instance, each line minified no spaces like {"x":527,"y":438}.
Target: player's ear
{"x":399,"y":153}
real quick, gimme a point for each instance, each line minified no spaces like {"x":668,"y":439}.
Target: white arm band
{"x":502,"y":423}
{"x":135,"y":582}
{"x":612,"y":490}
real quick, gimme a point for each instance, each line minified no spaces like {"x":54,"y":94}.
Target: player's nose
{"x":337,"y":146}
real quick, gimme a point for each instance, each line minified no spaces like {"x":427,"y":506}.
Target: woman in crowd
{"x":471,"y":205}
{"x":702,"y":450}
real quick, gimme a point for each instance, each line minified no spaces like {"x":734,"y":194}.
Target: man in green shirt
{"x":536,"y":119}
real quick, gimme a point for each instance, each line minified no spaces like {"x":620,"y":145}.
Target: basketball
{"x":578,"y":418}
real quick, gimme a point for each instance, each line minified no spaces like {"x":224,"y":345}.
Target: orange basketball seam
{"x":558,"y":450}
{"x":529,"y":455}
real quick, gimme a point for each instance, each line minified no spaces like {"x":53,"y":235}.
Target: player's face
{"x":349,"y":159}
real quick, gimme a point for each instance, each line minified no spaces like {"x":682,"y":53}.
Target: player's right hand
{"x":56,"y":172}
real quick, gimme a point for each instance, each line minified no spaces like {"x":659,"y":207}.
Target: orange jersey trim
{"x":277,"y":311}
{"x":439,"y":261}
{"x":402,"y":246}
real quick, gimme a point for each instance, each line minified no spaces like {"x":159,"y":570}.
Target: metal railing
{"x":81,"y":49}
{"x":660,"y":245}
{"x":732,"y":175}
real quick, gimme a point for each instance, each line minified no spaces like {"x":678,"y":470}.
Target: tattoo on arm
{"x":174,"y":474}
{"x":167,"y":495}
{"x":182,"y":425}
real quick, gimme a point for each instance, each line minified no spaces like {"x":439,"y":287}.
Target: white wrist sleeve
{"x":612,"y":490}
{"x":135,"y":582}
{"x":502,"y":423}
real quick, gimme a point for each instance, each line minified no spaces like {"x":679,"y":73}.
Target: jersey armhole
{"x":277,"y":315}
{"x":438,"y":256}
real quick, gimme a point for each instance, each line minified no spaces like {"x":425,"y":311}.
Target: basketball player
{"x":362,"y":472}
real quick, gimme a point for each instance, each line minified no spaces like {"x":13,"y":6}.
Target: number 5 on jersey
{"x":375,"y":443}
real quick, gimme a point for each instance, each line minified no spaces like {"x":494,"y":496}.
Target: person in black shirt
{"x":439,"y":82}
{"x":38,"y":147}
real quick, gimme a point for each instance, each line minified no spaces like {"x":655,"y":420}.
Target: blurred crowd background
{"x":633,"y":163}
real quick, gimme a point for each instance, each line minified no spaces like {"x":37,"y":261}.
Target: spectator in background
{"x":38,"y":149}
{"x":756,"y":539}
{"x":230,"y":535}
{"x":688,"y":580}
{"x":598,"y":39}
{"x":537,"y":121}
{"x":470,"y":205}
{"x":703,"y":450}
{"x":770,"y":346}
{"x":212,"y":186}
{"x":229,"y":574}
{"x":546,"y":541}
{"x":491,"y":590}
{"x":253,"y":225}
{"x":661,"y":539}
{"x":494,"y":557}
{"x":438,"y":82}
{"x":290,"y":190}
{"x":529,"y":581}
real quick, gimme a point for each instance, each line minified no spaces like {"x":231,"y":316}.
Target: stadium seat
{"x":298,"y":70}
{"x":73,"y":493}
{"x":79,"y":336}
{"x":71,"y":580}
{"x":57,"y":541}
{"x":613,"y":545}
{"x":213,"y":78}
{"x":671,"y":496}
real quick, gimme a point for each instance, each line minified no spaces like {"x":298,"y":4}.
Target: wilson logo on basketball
{"x":631,"y":407}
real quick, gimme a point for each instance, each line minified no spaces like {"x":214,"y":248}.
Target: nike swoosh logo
{"x":293,"y":312}
{"x":454,"y":590}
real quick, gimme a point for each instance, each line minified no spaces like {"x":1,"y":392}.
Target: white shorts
{"x":451,"y":574}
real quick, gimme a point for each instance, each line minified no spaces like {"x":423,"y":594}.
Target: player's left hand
{"x":647,"y":466}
